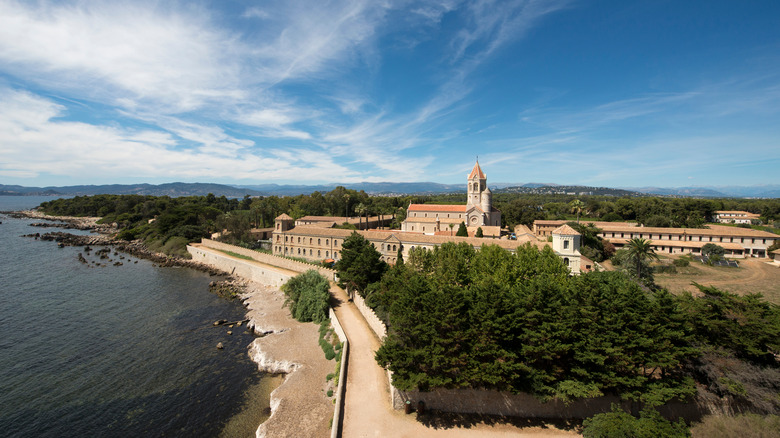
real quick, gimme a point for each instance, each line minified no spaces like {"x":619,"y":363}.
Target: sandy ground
{"x":753,"y":276}
{"x":299,"y":406}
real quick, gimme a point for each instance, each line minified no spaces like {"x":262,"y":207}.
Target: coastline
{"x":298,"y":405}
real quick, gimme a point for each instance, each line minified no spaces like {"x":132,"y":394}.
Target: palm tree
{"x":360,"y":209}
{"x":641,"y":249}
{"x":451,"y":227}
{"x":576,"y":207}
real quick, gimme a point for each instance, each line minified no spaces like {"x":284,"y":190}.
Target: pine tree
{"x":360,"y":262}
{"x":462,"y":231}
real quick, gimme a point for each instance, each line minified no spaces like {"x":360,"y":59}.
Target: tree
{"x":360,"y":262}
{"x":711,"y":249}
{"x":451,"y":227}
{"x":308,"y":295}
{"x":576,"y":207}
{"x":462,"y":231}
{"x":640,"y":250}
{"x":479,"y":232}
{"x":360,"y":209}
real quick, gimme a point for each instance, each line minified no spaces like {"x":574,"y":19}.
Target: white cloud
{"x":121,"y":53}
{"x":37,"y":142}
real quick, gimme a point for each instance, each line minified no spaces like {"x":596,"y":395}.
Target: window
{"x":326,"y":241}
{"x":319,"y":241}
{"x":319,"y":253}
{"x":566,"y":261}
{"x":565,"y":244}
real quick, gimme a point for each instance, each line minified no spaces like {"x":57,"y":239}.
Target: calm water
{"x":116,"y":351}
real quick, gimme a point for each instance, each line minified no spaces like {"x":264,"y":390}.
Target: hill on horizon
{"x":176,"y":189}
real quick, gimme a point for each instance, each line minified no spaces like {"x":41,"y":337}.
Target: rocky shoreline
{"x":105,"y":237}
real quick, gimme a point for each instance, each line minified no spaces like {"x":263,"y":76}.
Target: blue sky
{"x":603,"y":93}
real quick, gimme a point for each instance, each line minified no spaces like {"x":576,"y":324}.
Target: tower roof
{"x":477,"y":172}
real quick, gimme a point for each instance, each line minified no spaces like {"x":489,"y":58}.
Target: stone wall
{"x":242,"y":268}
{"x":526,"y":406}
{"x":376,"y":324}
{"x":334,"y":320}
{"x":269,"y":259}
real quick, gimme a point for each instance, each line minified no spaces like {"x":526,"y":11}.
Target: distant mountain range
{"x":385,"y":188}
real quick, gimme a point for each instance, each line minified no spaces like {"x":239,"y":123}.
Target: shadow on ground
{"x":447,"y":420}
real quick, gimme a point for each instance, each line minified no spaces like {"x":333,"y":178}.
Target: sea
{"x":124,"y":349}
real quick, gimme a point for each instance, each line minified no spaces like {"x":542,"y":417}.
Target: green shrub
{"x":308,"y":296}
{"x":665,"y":269}
{"x":619,"y":424}
{"x":681,"y":262}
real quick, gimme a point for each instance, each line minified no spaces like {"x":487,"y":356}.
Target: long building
{"x":426,"y":226}
{"x":738,"y":242}
{"x":477,"y":213}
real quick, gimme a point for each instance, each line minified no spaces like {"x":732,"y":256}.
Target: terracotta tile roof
{"x":426,"y":220}
{"x":737,"y":212}
{"x":598,"y":224}
{"x":566,"y":231}
{"x":284,"y":217}
{"x":438,"y":208}
{"x":477,"y":171}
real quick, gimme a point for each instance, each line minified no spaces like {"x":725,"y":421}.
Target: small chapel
{"x":435,"y":219}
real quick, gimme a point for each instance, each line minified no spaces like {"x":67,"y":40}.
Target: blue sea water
{"x":124,"y":350}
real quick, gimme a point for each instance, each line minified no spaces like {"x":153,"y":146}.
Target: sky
{"x":602,"y":93}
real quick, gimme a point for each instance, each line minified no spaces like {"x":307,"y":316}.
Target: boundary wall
{"x":524,"y":405}
{"x":242,"y":268}
{"x":377,"y":326}
{"x":269,"y":259}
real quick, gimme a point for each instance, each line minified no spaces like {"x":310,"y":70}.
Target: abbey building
{"x":426,"y":226}
{"x":433,"y":219}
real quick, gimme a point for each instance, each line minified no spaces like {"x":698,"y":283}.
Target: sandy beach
{"x":299,"y":406}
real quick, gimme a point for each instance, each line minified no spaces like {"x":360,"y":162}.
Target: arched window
{"x":319,"y":253}
{"x":566,"y":261}
{"x":299,"y":239}
{"x":299,"y":250}
{"x":319,"y":241}
{"x":311,"y":240}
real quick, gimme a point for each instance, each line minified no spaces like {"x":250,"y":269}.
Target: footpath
{"x":367,"y":411}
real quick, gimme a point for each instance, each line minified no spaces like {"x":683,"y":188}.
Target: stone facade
{"x":738,"y":242}
{"x":442,"y":219}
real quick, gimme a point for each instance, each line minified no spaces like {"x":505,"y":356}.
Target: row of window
{"x":291,"y":239}
{"x":690,"y":238}
{"x":415,"y":214}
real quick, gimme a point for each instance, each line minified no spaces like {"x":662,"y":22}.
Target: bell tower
{"x":476,"y":185}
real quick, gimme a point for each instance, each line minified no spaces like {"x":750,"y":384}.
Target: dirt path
{"x":367,"y":410}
